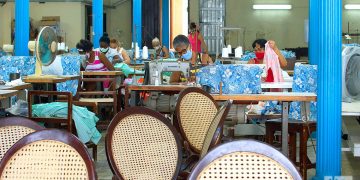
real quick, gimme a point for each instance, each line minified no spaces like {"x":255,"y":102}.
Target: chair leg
{"x":269,"y":134}
{"x":94,"y":149}
{"x":303,"y":151}
{"x":292,"y":147}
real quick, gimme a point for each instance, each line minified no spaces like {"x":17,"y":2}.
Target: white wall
{"x":119,"y":23}
{"x":71,"y":14}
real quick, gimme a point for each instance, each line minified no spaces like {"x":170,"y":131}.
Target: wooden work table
{"x":102,"y":73}
{"x":49,"y":79}
{"x":7,"y":93}
{"x":17,"y":87}
{"x":268,"y":96}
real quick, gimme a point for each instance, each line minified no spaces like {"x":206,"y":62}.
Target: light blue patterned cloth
{"x":248,"y":55}
{"x":236,"y":79}
{"x":305,"y":80}
{"x":352,"y":45}
{"x":24,"y":64}
{"x":2,"y":53}
{"x":85,"y":121}
{"x":71,"y":66}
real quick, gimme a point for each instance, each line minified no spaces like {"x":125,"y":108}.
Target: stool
{"x":305,"y":129}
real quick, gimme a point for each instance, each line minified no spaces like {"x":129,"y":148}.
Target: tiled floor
{"x":350,"y":164}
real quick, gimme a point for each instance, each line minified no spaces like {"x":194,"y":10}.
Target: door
{"x":212,"y":19}
{"x":150,"y":21}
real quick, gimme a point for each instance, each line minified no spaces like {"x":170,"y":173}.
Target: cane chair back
{"x":214,"y":133}
{"x":245,"y":159}
{"x":142,"y":144}
{"x":195,"y":111}
{"x":13,"y":129}
{"x":47,"y":154}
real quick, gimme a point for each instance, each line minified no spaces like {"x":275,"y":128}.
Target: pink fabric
{"x":195,"y":42}
{"x":97,"y":65}
{"x":271,"y":60}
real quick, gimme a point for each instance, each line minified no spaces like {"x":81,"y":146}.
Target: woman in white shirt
{"x":115,"y":46}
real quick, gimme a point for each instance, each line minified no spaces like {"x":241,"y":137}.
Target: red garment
{"x":195,"y":42}
{"x":270,"y":75}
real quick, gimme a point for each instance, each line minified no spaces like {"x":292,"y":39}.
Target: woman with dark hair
{"x":197,"y":42}
{"x":95,"y":61}
{"x":259,"y":50}
{"x":111,"y":54}
{"x":183,"y":47}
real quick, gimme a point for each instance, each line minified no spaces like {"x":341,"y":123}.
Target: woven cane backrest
{"x":244,"y":165}
{"x":195,"y":114}
{"x":235,"y":161}
{"x":214,"y":134}
{"x":46,"y":159}
{"x":141,"y":146}
{"x":12,"y":129}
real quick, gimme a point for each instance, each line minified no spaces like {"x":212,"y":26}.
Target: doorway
{"x":89,"y":23}
{"x":150,"y":21}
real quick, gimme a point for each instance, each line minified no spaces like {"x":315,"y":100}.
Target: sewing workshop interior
{"x":180,"y":89}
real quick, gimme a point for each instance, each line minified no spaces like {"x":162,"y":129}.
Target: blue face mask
{"x":187,"y":55}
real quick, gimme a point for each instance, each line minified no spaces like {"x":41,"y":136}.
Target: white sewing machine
{"x":157,"y":67}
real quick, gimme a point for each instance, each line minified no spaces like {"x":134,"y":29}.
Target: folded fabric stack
{"x":71,"y":66}
{"x":248,"y":55}
{"x":25,"y":65}
{"x":236,"y":79}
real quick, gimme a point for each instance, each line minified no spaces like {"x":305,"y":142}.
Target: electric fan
{"x":350,"y":74}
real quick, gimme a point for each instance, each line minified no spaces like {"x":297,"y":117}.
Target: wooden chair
{"x":14,"y":128}
{"x":212,"y":138}
{"x":195,"y":110}
{"x":304,"y":129}
{"x":100,"y":98}
{"x":142,"y":144}
{"x":244,"y":159}
{"x":68,"y":121}
{"x":47,"y":154}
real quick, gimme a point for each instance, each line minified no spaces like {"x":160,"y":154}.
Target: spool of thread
{"x":238,"y":52}
{"x":137,"y":52}
{"x":145,"y":52}
{"x":31,"y":46}
{"x":229,"y":49}
{"x":225,"y":53}
{"x":8,"y":48}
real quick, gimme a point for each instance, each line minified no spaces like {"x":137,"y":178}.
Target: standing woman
{"x":198,"y":44}
{"x":115,"y":46}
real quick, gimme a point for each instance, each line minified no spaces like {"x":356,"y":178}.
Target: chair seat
{"x":97,"y":100}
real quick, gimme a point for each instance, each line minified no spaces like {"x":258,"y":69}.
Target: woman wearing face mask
{"x":111,"y":54}
{"x":162,"y":52}
{"x":198,"y":44}
{"x":182,"y":46}
{"x":259,"y":50}
{"x":115,"y":46}
{"x":95,"y":61}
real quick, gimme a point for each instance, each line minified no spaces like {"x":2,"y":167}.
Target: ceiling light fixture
{"x":352,"y":6}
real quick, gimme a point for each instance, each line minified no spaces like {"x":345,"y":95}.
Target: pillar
{"x":327,"y":51}
{"x":166,"y":23}
{"x":22,"y":26}
{"x":137,"y":21}
{"x":97,"y":19}
{"x":313,"y":30}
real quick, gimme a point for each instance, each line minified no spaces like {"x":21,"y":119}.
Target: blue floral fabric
{"x":2,"y":53}
{"x":71,"y":66}
{"x":236,"y":79}
{"x":24,"y":64}
{"x":305,"y":80}
{"x":271,"y":107}
{"x":251,"y":55}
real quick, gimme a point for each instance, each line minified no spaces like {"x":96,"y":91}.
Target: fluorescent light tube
{"x":352,"y":6}
{"x":272,"y":6}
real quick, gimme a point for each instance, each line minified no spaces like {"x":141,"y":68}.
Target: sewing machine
{"x":158,"y":67}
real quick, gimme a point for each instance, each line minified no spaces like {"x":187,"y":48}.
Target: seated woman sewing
{"x":111,"y":54}
{"x":259,"y":50}
{"x":161,"y":52}
{"x":95,"y":61}
{"x":115,"y":46}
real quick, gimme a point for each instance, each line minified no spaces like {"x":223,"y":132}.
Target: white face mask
{"x":104,"y":50}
